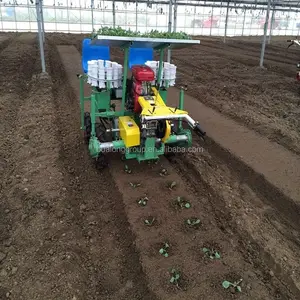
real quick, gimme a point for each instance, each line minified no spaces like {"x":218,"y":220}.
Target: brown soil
{"x":227,"y":78}
{"x":69,"y":231}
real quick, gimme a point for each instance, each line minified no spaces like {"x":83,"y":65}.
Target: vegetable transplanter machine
{"x":130,"y":112}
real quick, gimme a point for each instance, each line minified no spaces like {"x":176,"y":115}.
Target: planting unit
{"x":130,"y":113}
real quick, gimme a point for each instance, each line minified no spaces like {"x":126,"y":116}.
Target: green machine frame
{"x":102,"y":107}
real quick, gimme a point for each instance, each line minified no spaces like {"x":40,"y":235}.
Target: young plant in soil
{"x":235,"y":285}
{"x":193,"y":222}
{"x":182,"y":203}
{"x":163,"y":172}
{"x":175,"y":277}
{"x":172,"y":185}
{"x":149,"y":221}
{"x":211,"y":253}
{"x":155,"y":162}
{"x":127,"y":170}
{"x":164,"y":250}
{"x":142,"y":201}
{"x":134,"y":185}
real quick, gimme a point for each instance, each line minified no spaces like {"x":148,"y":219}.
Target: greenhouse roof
{"x":238,"y":3}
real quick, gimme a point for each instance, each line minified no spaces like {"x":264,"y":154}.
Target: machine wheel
{"x":88,"y":127}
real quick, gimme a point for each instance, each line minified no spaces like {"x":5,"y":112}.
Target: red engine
{"x":141,"y":85}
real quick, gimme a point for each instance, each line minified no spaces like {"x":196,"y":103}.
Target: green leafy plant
{"x":182,"y":203}
{"x":236,"y":285}
{"x":164,"y":250}
{"x":134,"y":185}
{"x":127,"y":170}
{"x":149,"y":221}
{"x":211,"y":253}
{"x":172,"y":185}
{"x":193,"y":222}
{"x":118,"y":31}
{"x":175,"y":277}
{"x":142,"y":201}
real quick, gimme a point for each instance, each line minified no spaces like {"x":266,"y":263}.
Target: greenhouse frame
{"x":215,"y":18}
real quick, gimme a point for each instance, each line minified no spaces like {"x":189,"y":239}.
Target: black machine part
{"x":199,"y":131}
{"x":161,"y":129}
{"x":88,"y":127}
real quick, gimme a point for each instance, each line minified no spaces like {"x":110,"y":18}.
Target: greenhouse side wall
{"x":76,"y":17}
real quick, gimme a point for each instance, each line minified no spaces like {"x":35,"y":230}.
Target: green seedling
{"x":163,"y":251}
{"x":182,"y":203}
{"x":150,"y":221}
{"x":163,"y":172}
{"x":226,"y":284}
{"x":134,"y":185}
{"x":211,"y":253}
{"x":150,"y":162}
{"x":143,"y":201}
{"x":192,"y":222}
{"x":172,"y":185}
{"x":127,"y":170}
{"x":175,"y":277}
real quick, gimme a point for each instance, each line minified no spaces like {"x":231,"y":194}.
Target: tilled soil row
{"x":264,"y":101}
{"x":200,"y":277}
{"x":270,"y":239}
{"x":27,"y":128}
{"x":276,"y":52}
{"x":112,"y":266}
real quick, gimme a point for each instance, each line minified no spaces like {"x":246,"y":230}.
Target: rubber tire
{"x":88,"y":127}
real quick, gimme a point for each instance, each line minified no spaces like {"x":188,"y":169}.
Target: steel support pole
{"x":42,"y":20}
{"x":38,"y":17}
{"x":271,"y":28}
{"x":92,"y":11}
{"x":226,"y":21}
{"x":114,"y":13}
{"x":175,"y":17}
{"x":263,"y":47}
{"x":170,"y":27}
{"x":244,"y":22}
{"x":136,"y":15}
{"x":211,"y":16}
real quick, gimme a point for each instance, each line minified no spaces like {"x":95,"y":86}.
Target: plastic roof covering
{"x":277,"y":3}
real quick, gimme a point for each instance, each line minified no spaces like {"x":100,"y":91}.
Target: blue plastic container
{"x":138,"y":56}
{"x":93,"y":52}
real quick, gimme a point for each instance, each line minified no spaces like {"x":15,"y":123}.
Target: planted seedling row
{"x":193,"y":222}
